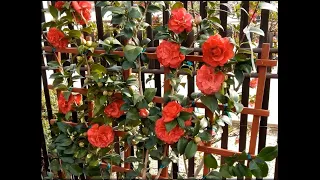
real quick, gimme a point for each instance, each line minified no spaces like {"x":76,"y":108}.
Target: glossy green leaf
{"x":182,"y":144}
{"x":210,"y":102}
{"x":210,"y":161}
{"x":268,"y":153}
{"x":191,"y":149}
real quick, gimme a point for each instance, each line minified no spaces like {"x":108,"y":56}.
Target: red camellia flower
{"x":113,"y":109}
{"x":57,"y":38}
{"x":189,"y":110}
{"x":59,"y":5}
{"x":180,"y":20}
{"x":66,"y":105}
{"x":171,"y":111}
{"x":253,"y":83}
{"x":208,"y":81}
{"x":169,"y":55}
{"x":217,"y":50}
{"x":168,"y":137}
{"x":84,"y":8}
{"x":143,"y":113}
{"x":100,"y":136}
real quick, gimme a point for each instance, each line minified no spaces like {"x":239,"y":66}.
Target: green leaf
{"x":153,"y":9}
{"x":98,"y":68}
{"x":142,"y":104}
{"x":55,"y":165}
{"x":181,"y":122}
{"x":134,"y":12}
{"x":268,"y":6}
{"x":131,"y":174}
{"x":131,"y":159}
{"x":75,"y":33}
{"x":236,"y":171}
{"x":222,"y":98}
{"x":210,"y":102}
{"x":128,"y":32}
{"x":205,"y":136}
{"x":70,"y":150}
{"x":182,"y":144}
{"x":101,"y":3}
{"x":243,"y":156}
{"x":145,"y":41}
{"x":63,"y":126}
{"x":75,"y":169}
{"x":128,"y":64}
{"x":87,"y":30}
{"x":171,"y":125}
{"x":256,"y":30}
{"x":195,"y":95}
{"x":191,"y":149}
{"x":136,"y":97}
{"x":177,"y":5}
{"x":81,"y":153}
{"x":151,"y":142}
{"x":53,"y":11}
{"x":185,"y":50}
{"x":196,"y":128}
{"x":243,"y":170}
{"x":224,"y":171}
{"x":116,"y":158}
{"x":133,"y":114}
{"x":218,"y":25}
{"x":215,"y":19}
{"x":67,"y":159}
{"x":214,"y":175}
{"x":149,"y":94}
{"x":268,"y":153}
{"x":116,"y":10}
{"x":239,"y":75}
{"x":165,"y":162}
{"x":239,"y":107}
{"x":117,"y":19}
{"x":210,"y":161}
{"x":65,"y":142}
{"x":258,"y":168}
{"x":132,"y":52}
{"x":161,"y":35}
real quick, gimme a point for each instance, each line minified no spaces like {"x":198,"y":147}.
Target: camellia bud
{"x":107,"y":41}
{"x":110,"y":93}
{"x":79,"y":58}
{"x":89,"y":43}
{"x":81,"y":144}
{"x":197,"y":139}
{"x":100,"y":84}
{"x":89,"y":156}
{"x":197,"y":19}
{"x":226,"y":77}
{"x":225,"y":84}
{"x":105,"y":93}
{"x":143,"y":113}
{"x":84,"y":134}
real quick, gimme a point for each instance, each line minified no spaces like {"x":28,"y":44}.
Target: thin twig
{"x":144,"y":174}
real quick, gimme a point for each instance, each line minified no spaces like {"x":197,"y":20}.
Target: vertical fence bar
{"x":223,"y":18}
{"x":265,"y":102}
{"x":48,"y":103}
{"x":245,"y":85}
